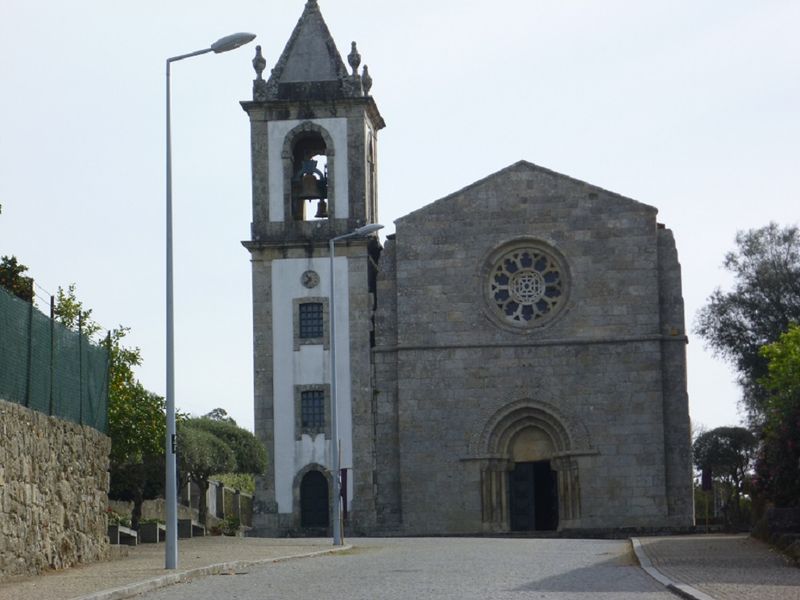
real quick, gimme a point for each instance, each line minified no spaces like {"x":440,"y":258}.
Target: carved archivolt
{"x":492,"y":449}
{"x":567,"y":434}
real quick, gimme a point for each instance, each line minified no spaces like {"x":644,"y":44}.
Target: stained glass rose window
{"x":526,"y":285}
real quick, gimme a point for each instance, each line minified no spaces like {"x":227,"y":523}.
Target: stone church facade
{"x":512,"y":359}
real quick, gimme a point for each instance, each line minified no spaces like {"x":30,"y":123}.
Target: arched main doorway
{"x":528,"y":468}
{"x":532,"y":483}
{"x":314,"y":509}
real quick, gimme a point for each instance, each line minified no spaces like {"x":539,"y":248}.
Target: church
{"x":512,"y":358}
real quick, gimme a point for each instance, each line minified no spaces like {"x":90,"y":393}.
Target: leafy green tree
{"x":728,"y":452}
{"x":765,"y":299}
{"x":778,"y":465}
{"x":200,"y":458}
{"x":251,"y":457}
{"x":219,"y":414}
{"x":136,"y":417}
{"x":70,"y":311}
{"x":200,"y":455}
{"x":137,"y":427}
{"x":13,"y":279}
{"x":244,"y":482}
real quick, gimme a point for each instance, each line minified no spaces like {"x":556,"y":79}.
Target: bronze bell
{"x":309,"y":187}
{"x":322,"y":210}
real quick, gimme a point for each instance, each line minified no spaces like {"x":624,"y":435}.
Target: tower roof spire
{"x":310,"y":66}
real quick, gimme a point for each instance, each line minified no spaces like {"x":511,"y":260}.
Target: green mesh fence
{"x":48,"y":368}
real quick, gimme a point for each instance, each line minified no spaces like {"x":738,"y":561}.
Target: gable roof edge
{"x":534,"y":167}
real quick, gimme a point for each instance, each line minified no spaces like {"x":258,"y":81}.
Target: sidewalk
{"x":143,"y":567}
{"x":721,"y":567}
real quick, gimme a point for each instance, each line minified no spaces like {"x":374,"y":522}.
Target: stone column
{"x":569,"y":493}
{"x":494,"y":494}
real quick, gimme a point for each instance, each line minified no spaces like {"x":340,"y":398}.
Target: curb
{"x":681,"y":589}
{"x":149,"y":585}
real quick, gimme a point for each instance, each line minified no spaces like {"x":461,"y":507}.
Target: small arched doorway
{"x":314,"y":508}
{"x":532,"y":483}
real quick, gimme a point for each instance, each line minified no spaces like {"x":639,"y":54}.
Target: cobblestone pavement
{"x":725,"y":567}
{"x":441,"y":568}
{"x":717,"y":566}
{"x":146,"y":562}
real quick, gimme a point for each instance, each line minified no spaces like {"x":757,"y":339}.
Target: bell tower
{"x":313,"y":149}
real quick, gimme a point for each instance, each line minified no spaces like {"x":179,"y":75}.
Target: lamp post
{"x":225,"y":44}
{"x":337,"y":521}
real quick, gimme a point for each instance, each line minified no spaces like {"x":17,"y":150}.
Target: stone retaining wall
{"x":53,"y":492}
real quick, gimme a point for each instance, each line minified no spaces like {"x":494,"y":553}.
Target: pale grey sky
{"x":688,"y":105}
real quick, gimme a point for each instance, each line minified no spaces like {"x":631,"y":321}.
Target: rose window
{"x":526,"y":285}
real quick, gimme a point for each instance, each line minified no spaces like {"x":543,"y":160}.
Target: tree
{"x":728,"y":453}
{"x":251,"y":457}
{"x":765,"y":299}
{"x":69,"y":311}
{"x":244,"y":482}
{"x":136,"y":417}
{"x":778,"y":464}
{"x":219,"y":414}
{"x":200,"y":455}
{"x":208,"y":446}
{"x":12,"y":278}
{"x":137,"y":427}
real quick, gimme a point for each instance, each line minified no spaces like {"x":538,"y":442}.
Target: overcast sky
{"x":688,"y":105}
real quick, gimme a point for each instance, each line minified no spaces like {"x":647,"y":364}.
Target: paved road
{"x":458,"y":569}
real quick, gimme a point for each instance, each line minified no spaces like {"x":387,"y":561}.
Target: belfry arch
{"x":308,"y":141}
{"x":529,"y":441}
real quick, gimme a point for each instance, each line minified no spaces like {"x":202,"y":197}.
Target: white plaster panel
{"x":276,"y":134}
{"x":311,"y":365}
{"x":312,"y":449}
{"x":308,"y":366}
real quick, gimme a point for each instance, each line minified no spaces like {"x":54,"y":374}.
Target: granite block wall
{"x":608,"y":368}
{"x":53,"y":492}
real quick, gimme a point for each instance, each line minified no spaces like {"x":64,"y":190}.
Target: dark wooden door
{"x":545,"y":486}
{"x":521,"y":502}
{"x":314,"y":500}
{"x":533,"y":497}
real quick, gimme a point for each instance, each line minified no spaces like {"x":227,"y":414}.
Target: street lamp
{"x":225,"y":44}
{"x":337,"y":522}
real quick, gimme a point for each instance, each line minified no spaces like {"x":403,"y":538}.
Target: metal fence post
{"x":108,"y":377}
{"x":29,"y":366}
{"x":52,"y":353}
{"x":80,"y":364}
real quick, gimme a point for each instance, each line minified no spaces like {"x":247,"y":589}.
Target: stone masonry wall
{"x":606,"y":369}
{"x":53,"y":492}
